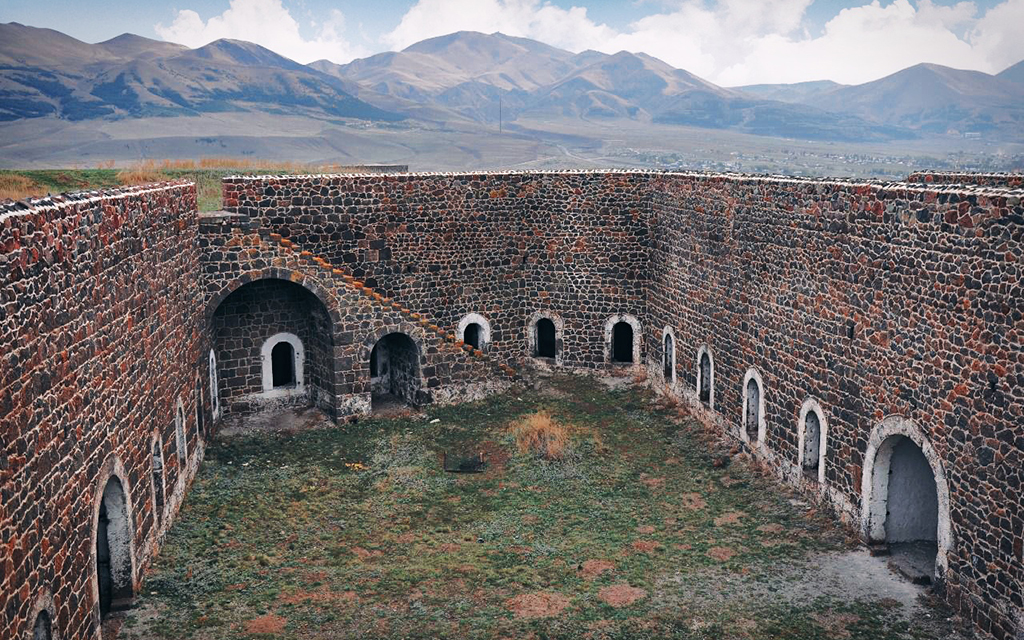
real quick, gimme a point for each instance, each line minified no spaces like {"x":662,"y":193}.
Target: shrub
{"x":542,"y":435}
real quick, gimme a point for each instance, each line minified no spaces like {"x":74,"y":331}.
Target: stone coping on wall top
{"x":966,"y":189}
{"x":54,"y":203}
{"x":980,"y":174}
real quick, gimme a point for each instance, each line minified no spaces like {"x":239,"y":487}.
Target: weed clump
{"x":541,"y":435}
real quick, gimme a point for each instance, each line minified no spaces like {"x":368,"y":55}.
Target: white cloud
{"x":735,"y":42}
{"x":267,"y":23}
{"x":568,"y":28}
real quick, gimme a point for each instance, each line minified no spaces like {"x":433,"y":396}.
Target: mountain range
{"x":469,"y":79}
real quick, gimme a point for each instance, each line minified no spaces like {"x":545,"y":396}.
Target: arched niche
{"x":754,"y":425}
{"x":902,"y":474}
{"x":179,"y":432}
{"x":622,"y":334}
{"x":113,"y":544}
{"x":706,"y":376}
{"x":668,"y":356}
{"x":812,"y":441}
{"x":544,"y":331}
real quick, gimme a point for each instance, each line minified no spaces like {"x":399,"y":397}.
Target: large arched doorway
{"x":274,"y":342}
{"x":906,"y":500}
{"x":394,"y":371}
{"x":113,"y":550}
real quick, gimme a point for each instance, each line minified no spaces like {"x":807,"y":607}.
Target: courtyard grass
{"x":641,"y":529}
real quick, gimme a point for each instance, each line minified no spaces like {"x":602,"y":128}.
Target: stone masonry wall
{"x":895,"y":307}
{"x":237,"y":257}
{"x":1009,"y":180}
{"x":99,"y":344}
{"x":875,"y":301}
{"x":503,"y":245}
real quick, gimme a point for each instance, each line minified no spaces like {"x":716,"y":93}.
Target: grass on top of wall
{"x":207,"y":173}
{"x":640,"y":527}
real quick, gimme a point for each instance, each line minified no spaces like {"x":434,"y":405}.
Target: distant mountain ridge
{"x":929,"y":98}
{"x":46,"y":73}
{"x":469,"y":79}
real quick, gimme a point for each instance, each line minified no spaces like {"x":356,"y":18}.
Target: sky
{"x":729,"y":42}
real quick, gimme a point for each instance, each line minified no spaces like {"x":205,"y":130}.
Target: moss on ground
{"x":355,"y":531}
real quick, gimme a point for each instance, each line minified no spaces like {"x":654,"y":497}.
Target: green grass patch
{"x":356,"y":531}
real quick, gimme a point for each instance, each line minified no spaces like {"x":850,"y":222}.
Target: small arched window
{"x":475,"y":330}
{"x":471,"y":336}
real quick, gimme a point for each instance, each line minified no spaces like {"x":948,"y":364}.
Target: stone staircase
{"x":345,"y":280}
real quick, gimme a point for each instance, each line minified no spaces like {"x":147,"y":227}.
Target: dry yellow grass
{"x":140,"y":175}
{"x":542,"y":435}
{"x":17,"y":187}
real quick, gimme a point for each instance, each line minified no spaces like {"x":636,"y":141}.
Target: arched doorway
{"x":545,"y":339}
{"x":622,"y":343}
{"x":394,"y":371}
{"x":753,"y":428}
{"x":706,"y":378}
{"x":274,"y":341}
{"x":906,"y":499}
{"x":668,"y":357}
{"x":812,"y":433}
{"x":159,"y":486}
{"x":622,"y":339}
{"x":113,"y":550}
{"x":43,"y":628}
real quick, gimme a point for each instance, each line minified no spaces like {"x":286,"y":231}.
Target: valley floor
{"x":645,"y":528}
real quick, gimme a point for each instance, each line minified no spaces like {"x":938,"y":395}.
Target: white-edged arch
{"x":158,"y":469}
{"x":122,"y":534}
{"x":670,"y":356}
{"x":753,"y":374}
{"x":701,"y":352}
{"x":298,"y":361}
{"x":485,"y":329}
{"x":609,"y":329}
{"x":214,"y":389}
{"x":875,"y":484}
{"x":179,"y":431}
{"x":812,"y":405}
{"x":43,"y":605}
{"x":531,"y":333}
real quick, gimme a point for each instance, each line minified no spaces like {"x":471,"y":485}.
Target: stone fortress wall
{"x":885,"y":313}
{"x":102,"y":357}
